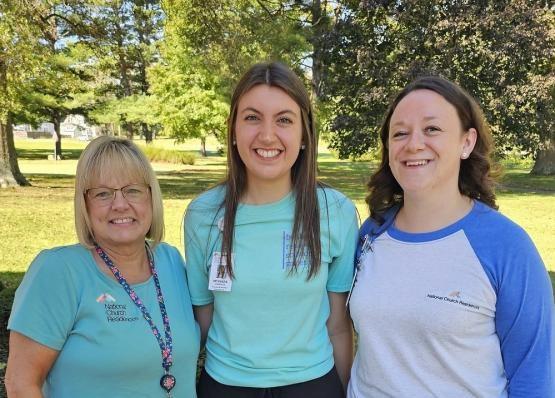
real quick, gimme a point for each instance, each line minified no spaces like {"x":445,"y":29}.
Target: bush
{"x":155,"y":154}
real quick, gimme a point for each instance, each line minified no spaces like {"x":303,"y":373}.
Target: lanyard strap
{"x":166,"y":344}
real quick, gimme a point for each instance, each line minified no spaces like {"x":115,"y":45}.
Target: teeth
{"x":267,"y":153}
{"x":416,"y":162}
{"x":122,"y":220}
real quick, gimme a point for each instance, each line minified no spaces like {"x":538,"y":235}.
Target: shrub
{"x":162,"y":155}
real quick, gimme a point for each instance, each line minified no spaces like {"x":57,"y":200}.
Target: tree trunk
{"x":545,"y":160}
{"x":9,"y":169}
{"x":58,"y":139}
{"x":203,"y":146}
{"x":147,"y":133}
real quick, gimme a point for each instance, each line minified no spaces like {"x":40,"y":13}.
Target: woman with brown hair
{"x":269,"y":253}
{"x":451,"y":298}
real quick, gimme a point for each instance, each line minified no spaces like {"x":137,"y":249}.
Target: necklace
{"x":167,"y":381}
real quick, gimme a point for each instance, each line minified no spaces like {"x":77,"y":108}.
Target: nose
{"x":119,"y":201}
{"x":415,"y":142}
{"x":266,"y":134}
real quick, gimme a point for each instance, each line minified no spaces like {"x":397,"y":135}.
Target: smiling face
{"x":268,"y":134}
{"x":426,"y":143}
{"x":119,"y":223}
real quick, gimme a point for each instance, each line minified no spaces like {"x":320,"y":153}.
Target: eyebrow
{"x":426,"y":118}
{"x":251,"y":109}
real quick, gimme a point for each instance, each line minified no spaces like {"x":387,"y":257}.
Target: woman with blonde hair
{"x":110,"y":316}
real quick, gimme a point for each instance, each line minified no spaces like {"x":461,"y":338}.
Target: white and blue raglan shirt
{"x":465,"y":311}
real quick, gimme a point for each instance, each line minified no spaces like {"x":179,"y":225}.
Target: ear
{"x":468,"y":142}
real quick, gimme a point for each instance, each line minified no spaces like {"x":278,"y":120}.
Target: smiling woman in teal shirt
{"x":110,"y":316}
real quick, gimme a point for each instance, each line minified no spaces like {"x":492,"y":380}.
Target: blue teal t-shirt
{"x":106,"y":348}
{"x":270,"y":329}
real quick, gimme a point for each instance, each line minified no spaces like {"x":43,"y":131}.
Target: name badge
{"x":220,"y":280}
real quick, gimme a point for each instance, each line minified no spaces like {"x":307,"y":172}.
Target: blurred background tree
{"x":168,"y":67}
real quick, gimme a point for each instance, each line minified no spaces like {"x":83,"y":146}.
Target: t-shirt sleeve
{"x":46,"y":302}
{"x":523,"y":317}
{"x":195,"y":260}
{"x":341,"y":269}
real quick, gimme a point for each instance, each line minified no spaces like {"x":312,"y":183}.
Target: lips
{"x":124,"y":220}
{"x":267,"y":153}
{"x":415,"y":163}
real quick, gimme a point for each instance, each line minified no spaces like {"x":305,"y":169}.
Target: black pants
{"x":327,"y":386}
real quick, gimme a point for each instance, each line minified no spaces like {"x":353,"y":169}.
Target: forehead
{"x":263,"y":97}
{"x":115,"y":172}
{"x":423,"y":104}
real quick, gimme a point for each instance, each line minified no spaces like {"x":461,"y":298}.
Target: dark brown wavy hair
{"x":306,"y":226}
{"x":476,"y":175}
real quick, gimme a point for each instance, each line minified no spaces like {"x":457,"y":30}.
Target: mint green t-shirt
{"x":106,"y":348}
{"x":270,"y":329}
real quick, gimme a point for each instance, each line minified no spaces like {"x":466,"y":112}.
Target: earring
{"x":234,"y":142}
{"x":464,"y":155}
{"x":303,"y":146}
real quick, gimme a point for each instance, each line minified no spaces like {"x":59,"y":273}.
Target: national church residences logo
{"x":454,"y":297}
{"x":115,"y":312}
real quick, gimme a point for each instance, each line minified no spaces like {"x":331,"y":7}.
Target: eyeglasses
{"x":133,"y":193}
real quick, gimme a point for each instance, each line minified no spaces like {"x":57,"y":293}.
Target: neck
{"x":427,"y":214}
{"x":132,"y":261}
{"x":260,"y":193}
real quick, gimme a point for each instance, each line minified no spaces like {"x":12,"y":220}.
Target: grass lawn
{"x":41,"y":216}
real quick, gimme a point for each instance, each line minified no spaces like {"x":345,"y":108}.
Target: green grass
{"x":41,"y":216}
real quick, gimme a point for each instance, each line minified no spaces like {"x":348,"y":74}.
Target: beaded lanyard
{"x":167,"y":381}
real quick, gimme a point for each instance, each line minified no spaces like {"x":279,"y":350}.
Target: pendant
{"x":167,"y":382}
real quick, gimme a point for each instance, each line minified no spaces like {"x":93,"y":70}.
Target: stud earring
{"x":303,"y":146}
{"x":464,"y":155}
{"x":234,"y":142}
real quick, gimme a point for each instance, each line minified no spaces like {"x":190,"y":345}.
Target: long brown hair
{"x":476,"y":175}
{"x":306,"y":227}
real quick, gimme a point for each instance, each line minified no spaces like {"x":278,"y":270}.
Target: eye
{"x":251,"y":117}
{"x":399,"y":134}
{"x":284,"y":120}
{"x":432,"y":130}
{"x":102,"y":194}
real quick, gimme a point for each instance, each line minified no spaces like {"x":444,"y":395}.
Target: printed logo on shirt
{"x":115,"y":312}
{"x":455,"y":297}
{"x":105,"y":297}
{"x":287,"y":254}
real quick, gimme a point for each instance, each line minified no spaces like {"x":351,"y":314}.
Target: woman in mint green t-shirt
{"x":110,"y":316}
{"x":270,"y":253}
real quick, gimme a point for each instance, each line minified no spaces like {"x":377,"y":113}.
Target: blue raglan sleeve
{"x":524,"y":310}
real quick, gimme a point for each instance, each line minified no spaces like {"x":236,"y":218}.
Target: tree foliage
{"x":500,"y":51}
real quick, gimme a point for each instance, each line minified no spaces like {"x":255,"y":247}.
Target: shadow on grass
{"x":347,"y":177}
{"x":41,"y":154}
{"x":8,"y":283}
{"x":52,"y":180}
{"x":187,"y":184}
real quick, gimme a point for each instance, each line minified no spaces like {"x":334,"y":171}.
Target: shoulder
{"x":61,"y":258}
{"x":487,"y":223}
{"x":334,"y":201}
{"x":209,"y":200}
{"x":504,"y":249}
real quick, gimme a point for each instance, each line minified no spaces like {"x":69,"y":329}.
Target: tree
{"x":20,"y":56}
{"x":500,"y":51}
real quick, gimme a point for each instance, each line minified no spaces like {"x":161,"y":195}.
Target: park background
{"x":161,"y":72}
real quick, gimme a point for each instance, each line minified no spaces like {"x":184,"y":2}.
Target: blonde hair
{"x":103,"y":157}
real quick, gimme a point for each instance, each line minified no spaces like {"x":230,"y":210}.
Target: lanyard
{"x":167,"y":381}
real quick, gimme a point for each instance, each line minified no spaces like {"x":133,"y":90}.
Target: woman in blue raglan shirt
{"x":451,"y":298}
{"x":110,"y":316}
{"x":275,"y":314}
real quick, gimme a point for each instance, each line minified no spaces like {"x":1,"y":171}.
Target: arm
{"x":341,"y":335}
{"x":28,"y":364}
{"x":203,"y":315}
